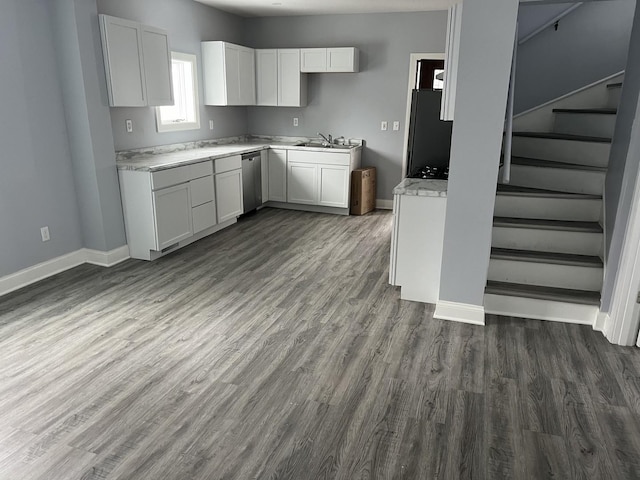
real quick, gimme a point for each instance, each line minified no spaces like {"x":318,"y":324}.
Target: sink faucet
{"x":327,"y":141}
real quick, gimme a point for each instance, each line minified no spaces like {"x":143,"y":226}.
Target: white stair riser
{"x":593,"y":124}
{"x":548,"y":208}
{"x":614,"y":97}
{"x":593,"y":154}
{"x":539,"y":240}
{"x":546,"y":274}
{"x":540,"y":309}
{"x":562,"y":180}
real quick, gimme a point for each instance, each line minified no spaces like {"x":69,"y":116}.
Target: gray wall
{"x":591,"y":43}
{"x":481,"y":98}
{"x":188,"y":23}
{"x":623,"y":167}
{"x":352,"y":104}
{"x":78,"y":54}
{"x":36,"y":184}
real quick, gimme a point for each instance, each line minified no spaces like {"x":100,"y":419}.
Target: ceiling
{"x":276,"y":8}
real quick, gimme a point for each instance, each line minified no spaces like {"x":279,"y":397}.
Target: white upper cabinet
{"x":157,"y":66}
{"x":267,"y":77}
{"x":313,"y":60}
{"x":292,"y":85}
{"x":229,"y":74}
{"x":137,"y":63}
{"x":340,"y":59}
{"x":278,"y":78}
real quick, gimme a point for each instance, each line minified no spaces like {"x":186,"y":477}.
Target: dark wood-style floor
{"x":276,"y":349}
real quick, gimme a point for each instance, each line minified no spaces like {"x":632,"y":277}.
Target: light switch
{"x":383,"y":126}
{"x":396,"y":125}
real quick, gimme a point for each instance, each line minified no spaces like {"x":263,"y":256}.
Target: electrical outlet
{"x":44,"y":233}
{"x":295,"y":121}
{"x":383,"y":126}
{"x":129,"y":124}
{"x":210,"y":124}
{"x":396,"y":126}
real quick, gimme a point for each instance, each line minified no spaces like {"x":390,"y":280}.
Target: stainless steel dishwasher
{"x":251,"y":181}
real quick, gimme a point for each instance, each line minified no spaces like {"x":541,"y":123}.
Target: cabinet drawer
{"x":204,"y":216}
{"x":228,"y":163}
{"x":201,"y":169}
{"x":327,"y":158}
{"x":169,"y":177}
{"x":201,"y":190}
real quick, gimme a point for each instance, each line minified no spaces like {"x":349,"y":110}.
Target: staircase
{"x":547,"y":242}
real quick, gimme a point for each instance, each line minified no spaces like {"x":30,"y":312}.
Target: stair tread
{"x":534,"y":162}
{"x":546,"y":257}
{"x":506,"y":189}
{"x":563,"y":136}
{"x":585,"y":297}
{"x":543,"y":224}
{"x":615,"y":85}
{"x":598,"y":111}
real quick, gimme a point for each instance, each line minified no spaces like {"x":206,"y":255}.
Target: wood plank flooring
{"x":276,"y":349}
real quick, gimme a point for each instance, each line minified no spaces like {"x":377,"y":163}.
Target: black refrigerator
{"x":429,"y":137}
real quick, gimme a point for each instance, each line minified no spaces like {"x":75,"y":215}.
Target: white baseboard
{"x":459,"y":312}
{"x":384,"y":204}
{"x":537,"y":309}
{"x":601,"y":322}
{"x":107,"y":259}
{"x":43,"y":270}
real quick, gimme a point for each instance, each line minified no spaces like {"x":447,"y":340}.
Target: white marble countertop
{"x":161,"y":158}
{"x":422,"y":187}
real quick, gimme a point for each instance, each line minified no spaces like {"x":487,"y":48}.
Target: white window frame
{"x":175,"y":127}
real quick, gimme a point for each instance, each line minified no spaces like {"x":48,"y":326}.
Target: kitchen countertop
{"x":421,"y":187}
{"x":161,"y":158}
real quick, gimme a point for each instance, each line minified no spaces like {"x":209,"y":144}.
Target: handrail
{"x":550,"y":22}
{"x":506,"y":164}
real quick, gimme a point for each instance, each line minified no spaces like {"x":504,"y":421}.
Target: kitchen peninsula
{"x":419,"y":208}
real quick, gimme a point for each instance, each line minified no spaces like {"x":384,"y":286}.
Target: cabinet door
{"x":277,"y":171}
{"x":302,"y":183}
{"x":267,"y":77}
{"x":292,"y":85}
{"x":343,"y":59}
{"x":172,"y":211}
{"x":313,"y":60}
{"x":122,"y":49}
{"x":452,"y":53}
{"x":333,"y":186}
{"x":247,"y":76}
{"x":157,"y":66}
{"x":229,"y":195}
{"x":232,"y":74}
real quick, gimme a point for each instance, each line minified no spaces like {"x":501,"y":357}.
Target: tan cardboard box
{"x":363,"y":190}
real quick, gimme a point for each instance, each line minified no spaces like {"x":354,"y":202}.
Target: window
{"x":184,"y":114}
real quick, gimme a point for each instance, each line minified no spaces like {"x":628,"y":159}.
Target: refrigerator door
{"x":429,"y":137}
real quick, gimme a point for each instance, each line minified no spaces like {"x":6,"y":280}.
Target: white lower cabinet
{"x":228,"y":187}
{"x":168,"y":209}
{"x":302,"y":183}
{"x":333,"y":186}
{"x":320,"y":178}
{"x":277,"y":175}
{"x":172,"y":211}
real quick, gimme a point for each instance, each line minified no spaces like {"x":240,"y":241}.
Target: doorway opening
{"x":427,"y":138}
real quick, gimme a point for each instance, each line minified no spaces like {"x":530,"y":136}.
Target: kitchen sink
{"x":320,"y":145}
